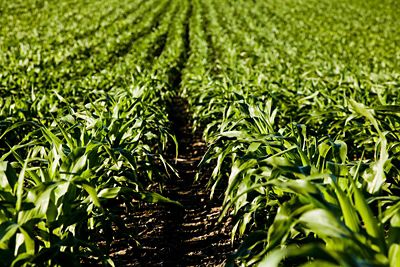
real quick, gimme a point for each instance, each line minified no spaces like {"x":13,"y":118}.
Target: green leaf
{"x":323,"y":223}
{"x":29,"y":242}
{"x":20,"y":187}
{"x":348,"y":211}
{"x":394,"y":255}
{"x":364,"y":111}
{"x":388,"y":108}
{"x":92,"y":193}
{"x":370,"y":222}
{"x":274,"y":258}
{"x":7,"y":231}
{"x":109,"y":192}
{"x":7,"y":173}
{"x":342,"y":147}
{"x":253,"y":146}
{"x":21,"y":259}
{"x":152,"y":197}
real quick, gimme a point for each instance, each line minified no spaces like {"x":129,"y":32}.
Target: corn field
{"x":272,"y":127}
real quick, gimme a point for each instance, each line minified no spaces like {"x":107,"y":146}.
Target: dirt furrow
{"x":174,"y":236}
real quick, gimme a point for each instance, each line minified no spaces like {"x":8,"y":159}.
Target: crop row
{"x":85,"y":129}
{"x":299,"y":105}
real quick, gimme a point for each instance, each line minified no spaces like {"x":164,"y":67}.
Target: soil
{"x":168,"y":235}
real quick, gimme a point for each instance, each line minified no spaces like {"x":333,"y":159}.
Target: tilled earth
{"x":172,"y":236}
